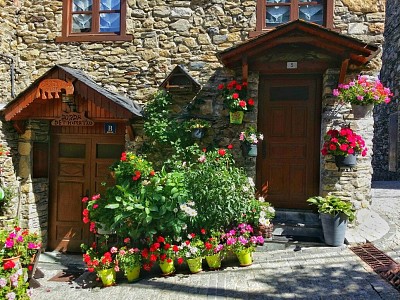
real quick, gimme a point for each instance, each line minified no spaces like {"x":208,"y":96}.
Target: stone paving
{"x":311,"y":273}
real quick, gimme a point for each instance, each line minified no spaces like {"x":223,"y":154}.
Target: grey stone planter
{"x":334,"y":228}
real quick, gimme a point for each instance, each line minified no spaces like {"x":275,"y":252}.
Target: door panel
{"x":289,"y":117}
{"x":78,"y":168}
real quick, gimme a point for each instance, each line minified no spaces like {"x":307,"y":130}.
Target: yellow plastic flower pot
{"x":245,"y":258}
{"x":133,"y":274}
{"x":194,"y":264}
{"x":214,"y":261}
{"x":107,"y":276}
{"x":167,"y":268}
{"x":236,"y":117}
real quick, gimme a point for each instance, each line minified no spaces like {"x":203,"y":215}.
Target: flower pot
{"x":214,"y":261}
{"x":198,"y":133}
{"x":334,"y":228}
{"x":361,"y":111}
{"x":15,"y":260}
{"x":245,"y":258}
{"x":236,"y":117}
{"x":194,"y":264}
{"x":133,"y":273}
{"x":249,"y":150}
{"x":107,"y":276}
{"x":348,"y":161}
{"x":167,"y":268}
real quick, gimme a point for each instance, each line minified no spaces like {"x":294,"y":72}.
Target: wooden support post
{"x":343,"y":70}
{"x":245,"y":69}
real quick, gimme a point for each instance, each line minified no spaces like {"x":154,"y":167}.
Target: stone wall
{"x":165,"y":33}
{"x":390,"y":76}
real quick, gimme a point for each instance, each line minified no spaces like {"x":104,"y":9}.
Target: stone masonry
{"x":164,"y":34}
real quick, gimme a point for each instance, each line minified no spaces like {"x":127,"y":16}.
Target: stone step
{"x":291,"y":216}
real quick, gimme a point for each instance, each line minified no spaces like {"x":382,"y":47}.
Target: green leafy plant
{"x":260,"y":213}
{"x":250,"y":136}
{"x":333,"y":205}
{"x":362,"y":91}
{"x":128,"y":258}
{"x":193,"y":247}
{"x":12,"y":282}
{"x":197,"y":123}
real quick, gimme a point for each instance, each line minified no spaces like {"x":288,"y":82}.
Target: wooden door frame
{"x":318,"y":78}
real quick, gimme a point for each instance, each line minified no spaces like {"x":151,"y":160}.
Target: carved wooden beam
{"x":343,"y":70}
{"x":19,"y":126}
{"x":50,"y":88}
{"x":245,"y":69}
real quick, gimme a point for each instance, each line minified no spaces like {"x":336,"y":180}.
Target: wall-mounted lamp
{"x":70,"y":101}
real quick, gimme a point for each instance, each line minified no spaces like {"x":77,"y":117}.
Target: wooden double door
{"x":290,"y":118}
{"x":78,"y":166}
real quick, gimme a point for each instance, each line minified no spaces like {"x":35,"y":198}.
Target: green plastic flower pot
{"x":195,"y":264}
{"x":107,"y":276}
{"x":214,"y":261}
{"x":167,"y":268}
{"x":236,"y":117}
{"x":133,"y":274}
{"x":245,"y":258}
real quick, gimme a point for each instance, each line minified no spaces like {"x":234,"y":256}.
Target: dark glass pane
{"x":82,"y":5}
{"x":109,"y":151}
{"x":289,"y":93}
{"x":312,"y":13}
{"x":72,"y":150}
{"x":277,"y":1}
{"x":110,"y":5}
{"x":110,"y":22}
{"x":277,"y":15}
{"x":81,"y":23}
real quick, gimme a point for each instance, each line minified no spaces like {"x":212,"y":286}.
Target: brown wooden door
{"x":78,"y":166}
{"x":289,"y":117}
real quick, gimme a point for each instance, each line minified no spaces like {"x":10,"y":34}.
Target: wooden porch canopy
{"x":43,"y":99}
{"x":347,"y":49}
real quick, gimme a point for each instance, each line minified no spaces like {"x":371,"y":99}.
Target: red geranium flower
{"x":221,"y":152}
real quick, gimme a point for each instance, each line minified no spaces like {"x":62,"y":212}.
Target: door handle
{"x":264,"y":149}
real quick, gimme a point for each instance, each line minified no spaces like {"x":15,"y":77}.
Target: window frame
{"x":68,"y":36}
{"x":261,"y":11}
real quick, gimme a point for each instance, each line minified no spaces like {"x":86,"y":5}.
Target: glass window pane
{"x":289,"y":93}
{"x":277,"y":15}
{"x":110,"y":5}
{"x":277,"y":1}
{"x":109,"y":151}
{"x":81,"y":23}
{"x":110,"y":22}
{"x":82,"y":5}
{"x":72,"y":150}
{"x":312,"y":13}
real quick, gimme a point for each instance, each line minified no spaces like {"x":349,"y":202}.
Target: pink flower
{"x":95,"y":206}
{"x":336,"y":92}
{"x":114,"y":250}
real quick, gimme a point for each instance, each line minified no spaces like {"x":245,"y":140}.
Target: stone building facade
{"x":386,"y":143}
{"x":166,"y":34}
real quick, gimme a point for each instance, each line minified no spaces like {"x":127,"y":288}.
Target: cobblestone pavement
{"x":311,"y":273}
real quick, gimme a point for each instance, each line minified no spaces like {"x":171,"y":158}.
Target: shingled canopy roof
{"x":300,"y":32}
{"x":115,"y":104}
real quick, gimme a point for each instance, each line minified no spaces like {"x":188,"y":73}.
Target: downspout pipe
{"x":11,"y":63}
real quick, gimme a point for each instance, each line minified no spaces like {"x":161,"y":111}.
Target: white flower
{"x":190,"y":203}
{"x":187,"y":254}
{"x":193,"y":250}
{"x":262,"y":214}
{"x":263,"y":221}
{"x":184,"y":226}
{"x":261,"y":136}
{"x":175,"y":210}
{"x":261,"y":199}
{"x":245,"y":188}
{"x":251,"y":182}
{"x":271,"y":210}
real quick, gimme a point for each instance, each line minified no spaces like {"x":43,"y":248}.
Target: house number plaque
{"x":72,"y":119}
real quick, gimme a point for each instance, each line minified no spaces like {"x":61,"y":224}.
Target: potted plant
{"x":362,"y":93}
{"x":260,"y":215}
{"x":249,"y":139}
{"x":234,"y":96}
{"x":165,"y":252}
{"x":129,"y":260}
{"x":198,"y":128}
{"x":214,"y":250}
{"x":12,"y":245}
{"x":192,"y":251}
{"x":104,"y":263}
{"x":344,"y":145}
{"x":242,"y":242}
{"x":334,"y":213}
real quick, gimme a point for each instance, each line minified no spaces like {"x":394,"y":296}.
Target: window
{"x":271,"y":13}
{"x":93,"y":20}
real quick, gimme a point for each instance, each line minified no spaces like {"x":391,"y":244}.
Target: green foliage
{"x":15,"y":284}
{"x":222,"y":192}
{"x":333,"y":205}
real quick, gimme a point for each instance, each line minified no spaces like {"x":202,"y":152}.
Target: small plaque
{"x":291,"y":65}
{"x":110,"y":128}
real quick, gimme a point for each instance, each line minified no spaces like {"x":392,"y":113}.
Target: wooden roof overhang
{"x":347,"y":49}
{"x":97,"y":103}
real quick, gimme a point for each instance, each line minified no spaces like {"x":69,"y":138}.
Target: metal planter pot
{"x":334,"y":228}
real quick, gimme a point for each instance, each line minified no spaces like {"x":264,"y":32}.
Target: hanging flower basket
{"x":361,"y":111}
{"x":348,"y":161}
{"x":198,"y":133}
{"x":249,"y":150}
{"x":236,"y":117}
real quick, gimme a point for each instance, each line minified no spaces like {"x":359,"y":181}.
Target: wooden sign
{"x":72,"y":119}
{"x":50,"y":88}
